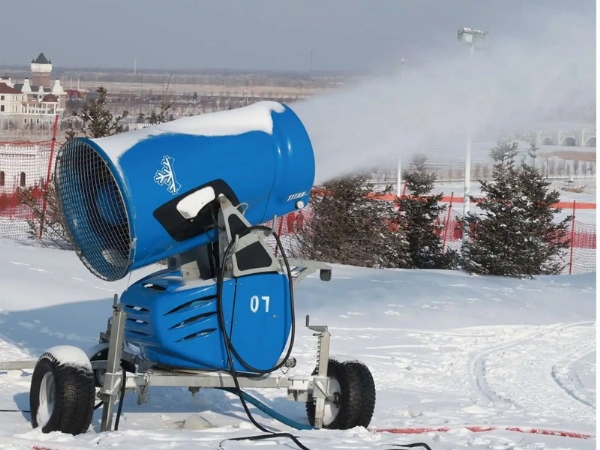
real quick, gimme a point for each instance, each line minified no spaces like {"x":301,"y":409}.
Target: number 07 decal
{"x":255,"y":303}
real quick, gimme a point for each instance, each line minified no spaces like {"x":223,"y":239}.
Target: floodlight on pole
{"x":472,"y":38}
{"x":399,"y":178}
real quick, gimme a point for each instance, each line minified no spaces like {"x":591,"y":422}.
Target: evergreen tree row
{"x":512,"y":232}
{"x":351,"y":225}
{"x":515,"y":233}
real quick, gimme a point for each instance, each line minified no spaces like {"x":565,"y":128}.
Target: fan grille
{"x":94,"y":210}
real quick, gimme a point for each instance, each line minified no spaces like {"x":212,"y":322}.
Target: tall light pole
{"x":470,"y":37}
{"x":399,"y":183}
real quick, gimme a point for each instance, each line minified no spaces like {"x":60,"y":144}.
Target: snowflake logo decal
{"x":166,"y":175}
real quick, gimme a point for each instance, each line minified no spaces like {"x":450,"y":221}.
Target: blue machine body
{"x":175,"y":322}
{"x":119,"y":194}
{"x":126,"y":202}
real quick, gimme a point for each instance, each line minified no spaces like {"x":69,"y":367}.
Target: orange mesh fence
{"x":582,"y":253}
{"x":458,"y":199}
{"x":582,"y":236}
{"x":27,"y":165}
{"x":23,"y":165}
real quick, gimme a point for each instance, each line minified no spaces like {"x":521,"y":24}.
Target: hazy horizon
{"x":26,"y":68}
{"x":267,"y":35}
{"x":538,"y":61}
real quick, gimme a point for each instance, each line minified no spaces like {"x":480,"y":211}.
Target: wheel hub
{"x":46,"y":398}
{"x":332,"y":407}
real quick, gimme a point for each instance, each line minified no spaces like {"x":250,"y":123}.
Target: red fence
{"x":24,"y":165}
{"x":582,"y":235}
{"x":30,"y":164}
{"x":580,"y":256}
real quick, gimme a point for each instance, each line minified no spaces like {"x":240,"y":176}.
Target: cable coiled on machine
{"x":229,"y":348}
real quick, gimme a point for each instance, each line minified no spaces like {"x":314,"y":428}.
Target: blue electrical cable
{"x":271,"y":412}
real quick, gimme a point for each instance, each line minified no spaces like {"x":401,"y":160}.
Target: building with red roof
{"x":34,"y":103}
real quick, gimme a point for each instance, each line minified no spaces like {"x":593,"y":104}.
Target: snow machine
{"x":192,"y":194}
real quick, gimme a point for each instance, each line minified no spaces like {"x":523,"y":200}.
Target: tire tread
{"x":358,"y":395}
{"x":74,"y":396}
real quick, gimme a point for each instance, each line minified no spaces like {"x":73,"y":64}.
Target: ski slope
{"x":448,"y":352}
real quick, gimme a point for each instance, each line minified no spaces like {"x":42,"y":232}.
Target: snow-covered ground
{"x":447,"y":350}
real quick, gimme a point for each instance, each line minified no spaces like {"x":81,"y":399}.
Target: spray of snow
{"x":508,"y":85}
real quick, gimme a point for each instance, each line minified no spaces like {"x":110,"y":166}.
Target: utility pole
{"x":399,"y":183}
{"x":470,"y":37}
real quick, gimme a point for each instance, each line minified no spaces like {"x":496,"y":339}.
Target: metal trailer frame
{"x":147,"y":373}
{"x":299,"y":388}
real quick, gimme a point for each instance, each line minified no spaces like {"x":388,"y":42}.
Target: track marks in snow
{"x":566,"y":374}
{"x":478,"y":368}
{"x":75,"y":280}
{"x":72,"y":337}
{"x":481,"y":374}
{"x":527,"y":373}
{"x":26,"y":265}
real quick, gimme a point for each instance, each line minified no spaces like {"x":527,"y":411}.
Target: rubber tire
{"x":357,"y":396}
{"x":74,"y":395}
{"x":369,"y":397}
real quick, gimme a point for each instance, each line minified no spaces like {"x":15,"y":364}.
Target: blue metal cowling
{"x":119,"y":194}
{"x":175,"y":323}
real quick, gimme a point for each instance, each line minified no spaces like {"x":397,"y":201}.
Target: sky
{"x":445,"y":349}
{"x":536,"y":67}
{"x":349,"y":35}
{"x":538,"y":72}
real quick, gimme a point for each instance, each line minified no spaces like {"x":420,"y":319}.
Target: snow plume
{"x":513,"y":83}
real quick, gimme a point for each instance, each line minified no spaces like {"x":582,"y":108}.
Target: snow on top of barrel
{"x":256,"y":117}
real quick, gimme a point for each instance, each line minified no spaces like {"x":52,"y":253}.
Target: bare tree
{"x":584,"y":167}
{"x":561,"y":167}
{"x":552,"y":167}
{"x":575,"y":167}
{"x":532,"y":152}
{"x":163,"y":115}
{"x":486,"y":171}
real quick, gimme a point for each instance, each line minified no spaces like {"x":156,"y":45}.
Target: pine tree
{"x":420,"y":213}
{"x":164,"y":114}
{"x":97,"y":121}
{"x":348,"y":225}
{"x":516,"y":234}
{"x":48,"y":217}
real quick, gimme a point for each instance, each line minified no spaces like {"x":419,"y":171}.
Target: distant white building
{"x":22,"y":166}
{"x":11,"y":100}
{"x":31,"y":104}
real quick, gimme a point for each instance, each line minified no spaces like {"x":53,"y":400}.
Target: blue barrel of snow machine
{"x":122,"y":195}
